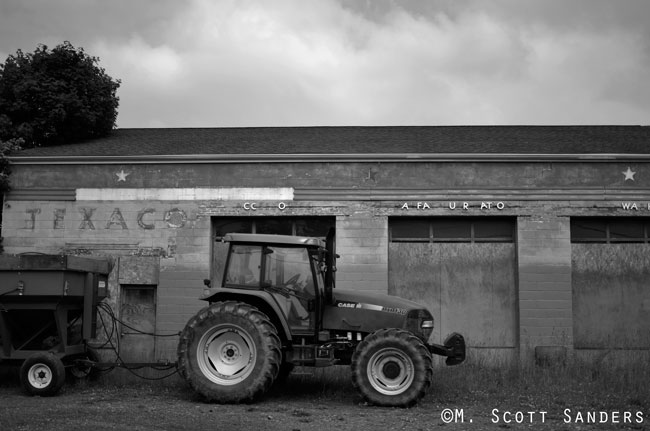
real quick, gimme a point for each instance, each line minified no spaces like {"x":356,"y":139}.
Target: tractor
{"x":276,"y":308}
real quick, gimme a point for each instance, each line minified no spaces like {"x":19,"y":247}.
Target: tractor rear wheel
{"x":392,"y":367}
{"x":42,"y":374}
{"x":229,"y":352}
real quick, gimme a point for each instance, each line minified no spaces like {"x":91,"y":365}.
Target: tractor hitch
{"x":453,"y":349}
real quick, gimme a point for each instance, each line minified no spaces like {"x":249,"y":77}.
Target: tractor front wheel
{"x":229,"y":352}
{"x":392,"y":367}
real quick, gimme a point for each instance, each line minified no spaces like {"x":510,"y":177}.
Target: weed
{"x":575,"y":383}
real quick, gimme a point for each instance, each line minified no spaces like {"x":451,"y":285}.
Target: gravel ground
{"x":297,"y":405}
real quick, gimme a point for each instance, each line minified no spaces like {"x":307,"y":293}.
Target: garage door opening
{"x":610,"y":260}
{"x":463,"y":269}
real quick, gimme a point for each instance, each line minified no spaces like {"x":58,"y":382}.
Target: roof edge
{"x":321,"y":157}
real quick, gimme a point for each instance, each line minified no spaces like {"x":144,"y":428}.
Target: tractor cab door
{"x":288,"y":273}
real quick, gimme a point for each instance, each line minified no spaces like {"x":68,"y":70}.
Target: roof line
{"x":321,"y":157}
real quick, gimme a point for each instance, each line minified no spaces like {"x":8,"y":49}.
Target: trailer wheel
{"x":78,"y":369}
{"x":392,"y":367}
{"x":229,"y":352}
{"x":42,"y":374}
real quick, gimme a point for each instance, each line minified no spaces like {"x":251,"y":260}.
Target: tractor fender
{"x":262,"y":300}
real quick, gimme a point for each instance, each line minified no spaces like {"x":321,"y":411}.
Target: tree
{"x":54,"y":97}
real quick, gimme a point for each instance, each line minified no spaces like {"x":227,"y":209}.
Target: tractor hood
{"x":368,"y":312}
{"x":374,"y":301}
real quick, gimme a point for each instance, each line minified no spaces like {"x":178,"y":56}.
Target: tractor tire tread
{"x":262,"y":330}
{"x":410,"y":345}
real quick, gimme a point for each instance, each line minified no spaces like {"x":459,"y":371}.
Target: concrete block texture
{"x":362,"y":243}
{"x":545,"y":289}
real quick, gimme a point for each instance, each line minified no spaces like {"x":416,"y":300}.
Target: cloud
{"x":204,"y":63}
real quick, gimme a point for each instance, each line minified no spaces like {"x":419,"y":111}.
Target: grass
{"x":577,"y":385}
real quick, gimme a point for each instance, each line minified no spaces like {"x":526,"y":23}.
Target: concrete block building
{"x":519,"y":237}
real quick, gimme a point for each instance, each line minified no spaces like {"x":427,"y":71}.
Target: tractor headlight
{"x":427,"y":328}
{"x":420,"y":322}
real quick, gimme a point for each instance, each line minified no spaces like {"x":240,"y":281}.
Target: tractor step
{"x":316,"y":363}
{"x":313,"y":355}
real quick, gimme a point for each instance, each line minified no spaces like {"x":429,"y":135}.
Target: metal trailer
{"x":48,"y":311}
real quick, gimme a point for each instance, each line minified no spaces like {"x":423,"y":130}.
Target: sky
{"x":248,"y":63}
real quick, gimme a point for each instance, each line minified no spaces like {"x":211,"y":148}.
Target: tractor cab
{"x":290,"y":270}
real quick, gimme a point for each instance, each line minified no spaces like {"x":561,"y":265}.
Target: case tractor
{"x":276,"y":308}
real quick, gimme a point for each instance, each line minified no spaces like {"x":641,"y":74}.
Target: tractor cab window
{"x":290,"y":268}
{"x":244,"y":265}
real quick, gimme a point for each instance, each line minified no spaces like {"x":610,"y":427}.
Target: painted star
{"x":121,"y":175}
{"x":629,"y":174}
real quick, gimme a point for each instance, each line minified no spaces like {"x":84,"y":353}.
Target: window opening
{"x":609,"y":230}
{"x":300,"y":226}
{"x":448,"y":229}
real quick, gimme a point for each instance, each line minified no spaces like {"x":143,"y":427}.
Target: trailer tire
{"x":79,"y":371}
{"x":42,"y":374}
{"x":392,"y":367}
{"x":229,"y":352}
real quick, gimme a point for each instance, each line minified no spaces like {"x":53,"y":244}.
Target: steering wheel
{"x":292,"y":280}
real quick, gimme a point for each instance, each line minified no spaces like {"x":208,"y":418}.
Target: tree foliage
{"x":54,"y":97}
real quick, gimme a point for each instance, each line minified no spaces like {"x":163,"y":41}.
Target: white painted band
{"x":186,"y":194}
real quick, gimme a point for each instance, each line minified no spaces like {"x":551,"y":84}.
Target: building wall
{"x":162,"y":213}
{"x":572,"y":179}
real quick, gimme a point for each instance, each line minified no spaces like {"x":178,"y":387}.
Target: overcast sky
{"x":214,"y":63}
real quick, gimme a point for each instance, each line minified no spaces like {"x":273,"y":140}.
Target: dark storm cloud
{"x":559,"y":15}
{"x":339,"y":62}
{"x":26,"y":23}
